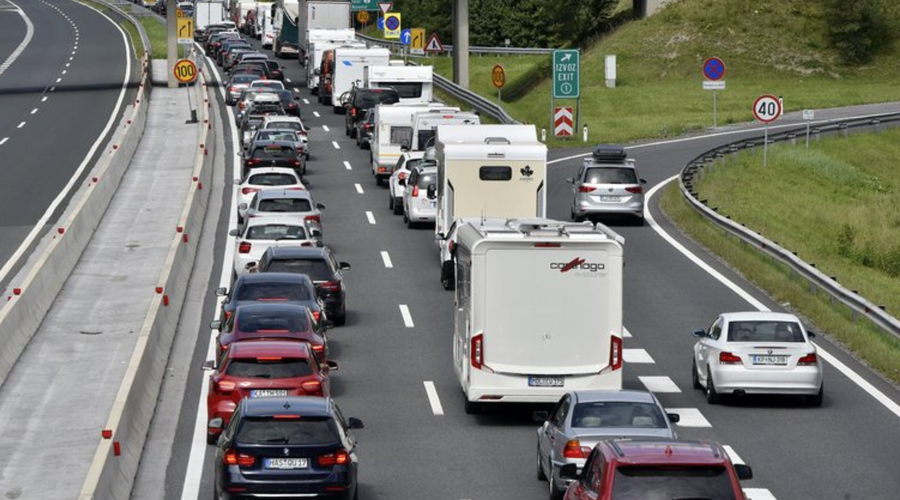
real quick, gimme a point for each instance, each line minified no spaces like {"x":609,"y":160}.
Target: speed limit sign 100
{"x":767,"y":108}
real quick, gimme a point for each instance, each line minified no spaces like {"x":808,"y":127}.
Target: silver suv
{"x":607,"y":184}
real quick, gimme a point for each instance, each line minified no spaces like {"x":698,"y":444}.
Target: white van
{"x":349,"y":69}
{"x":538,"y":310}
{"x":393,"y":129}
{"x":413,"y":83}
{"x":266,"y":34}
{"x":425,"y":125}
{"x":486,"y":171}
{"x":318,"y":41}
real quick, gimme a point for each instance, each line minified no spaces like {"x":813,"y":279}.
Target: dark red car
{"x":273,"y":322}
{"x":260,"y":370}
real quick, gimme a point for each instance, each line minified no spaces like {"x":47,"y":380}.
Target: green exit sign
{"x":357,"y":5}
{"x":566,"y":74}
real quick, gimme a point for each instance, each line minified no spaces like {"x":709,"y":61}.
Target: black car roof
{"x":304,"y":406}
{"x":271,"y":307}
{"x":271,"y":278}
{"x":296,"y":252}
{"x":286,"y":144}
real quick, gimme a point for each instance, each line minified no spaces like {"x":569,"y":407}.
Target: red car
{"x":262,"y":369}
{"x":622,"y":469}
{"x":273,"y":322}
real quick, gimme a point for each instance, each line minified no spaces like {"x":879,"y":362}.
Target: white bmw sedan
{"x":757,"y":353}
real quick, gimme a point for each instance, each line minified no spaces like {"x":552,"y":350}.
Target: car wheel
{"x":390,"y":202}
{"x":639,"y":221}
{"x":212,"y":439}
{"x":341,"y":320}
{"x":447,"y":278}
{"x":409,"y":223}
{"x":540,"y":469}
{"x":405,"y":218}
{"x":816,"y":400}
{"x":555,"y":493}
{"x":353,"y":133}
{"x":398,"y":207}
{"x":337,"y":109}
{"x":712,"y":396}
{"x":472,"y":407}
{"x":379,"y":181}
{"x":695,"y":377}
{"x":575,"y":217}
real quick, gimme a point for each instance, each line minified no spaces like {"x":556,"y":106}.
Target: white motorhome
{"x":349,"y":69}
{"x":538,"y":310}
{"x":425,"y":125}
{"x":265,"y":30}
{"x":206,"y":13}
{"x":486,"y":171}
{"x":321,"y":15}
{"x":241,"y":9}
{"x":413,"y":83}
{"x":318,"y":41}
{"x":393,"y":130}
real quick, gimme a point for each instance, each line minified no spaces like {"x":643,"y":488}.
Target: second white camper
{"x":349,"y":69}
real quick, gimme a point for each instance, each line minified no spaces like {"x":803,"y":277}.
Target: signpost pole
{"x":807,"y":135}
{"x":577,"y":115}
{"x":714,"y":110}
{"x":765,"y":144}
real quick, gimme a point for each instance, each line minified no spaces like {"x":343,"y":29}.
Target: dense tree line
{"x":860,"y":29}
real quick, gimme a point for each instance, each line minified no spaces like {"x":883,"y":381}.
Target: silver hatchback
{"x":420,"y":196}
{"x":290,"y":203}
{"x":607,"y":184}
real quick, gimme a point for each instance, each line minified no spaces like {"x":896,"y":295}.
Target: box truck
{"x":321,"y":15}
{"x":349,"y":68}
{"x":413,"y":83}
{"x":206,"y":13}
{"x":286,"y":15}
{"x":425,"y":124}
{"x":393,"y":129}
{"x":538,"y":310}
{"x":318,"y":41}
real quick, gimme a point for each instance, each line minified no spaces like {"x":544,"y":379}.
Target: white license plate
{"x":432,"y":203}
{"x":287,"y":463}
{"x":545,"y":381}
{"x":268,"y":393}
{"x":769,"y":360}
{"x":610,"y":199}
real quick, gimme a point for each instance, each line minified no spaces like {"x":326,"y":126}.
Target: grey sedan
{"x":287,"y":202}
{"x":583,"y":418}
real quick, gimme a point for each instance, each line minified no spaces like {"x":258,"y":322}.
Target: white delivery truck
{"x":486,"y":171}
{"x":318,"y":41}
{"x":425,"y":125}
{"x":285,"y":25}
{"x":265,"y":25}
{"x":538,"y":310}
{"x":393,"y":129}
{"x":349,"y":68}
{"x":321,"y":15}
{"x":206,"y":13}
{"x":413,"y":83}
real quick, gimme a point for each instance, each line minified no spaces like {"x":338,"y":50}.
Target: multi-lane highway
{"x":64,"y":74}
{"x":396,"y":373}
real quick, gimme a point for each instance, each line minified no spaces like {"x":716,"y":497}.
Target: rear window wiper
{"x":276,"y":440}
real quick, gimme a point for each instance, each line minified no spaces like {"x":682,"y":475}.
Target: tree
{"x":858,"y":29}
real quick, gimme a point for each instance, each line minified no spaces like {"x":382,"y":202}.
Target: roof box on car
{"x":609,"y":153}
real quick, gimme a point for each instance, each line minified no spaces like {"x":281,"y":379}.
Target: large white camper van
{"x":538,"y":310}
{"x":393,"y":129}
{"x":349,"y":69}
{"x":414,"y":84}
{"x":318,"y":41}
{"x":425,"y":125}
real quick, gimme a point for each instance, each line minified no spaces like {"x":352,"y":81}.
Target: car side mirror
{"x":569,"y":471}
{"x":317,"y":72}
{"x":810,"y":334}
{"x":234,"y":232}
{"x":355,"y":423}
{"x":307,"y":128}
{"x":699,"y":333}
{"x":402,"y":182}
{"x":643,"y":181}
{"x":744,"y":472}
{"x":540,"y":416}
{"x":570,"y":180}
{"x":250,"y":265}
{"x":208,"y":365}
{"x":343,"y":266}
{"x":215,"y":324}
{"x":238,"y":180}
{"x":320,"y":206}
{"x":404,"y":146}
{"x":440,"y":236}
{"x":674,"y":417}
{"x":242,"y":206}
{"x":221,"y":292}
{"x":328,"y":324}
{"x":332,"y":365}
{"x":432,"y":191}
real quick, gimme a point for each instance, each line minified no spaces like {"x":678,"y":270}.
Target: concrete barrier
{"x":115,"y":464}
{"x":32,"y":291}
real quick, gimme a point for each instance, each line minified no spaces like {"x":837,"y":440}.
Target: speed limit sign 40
{"x":767,"y":108}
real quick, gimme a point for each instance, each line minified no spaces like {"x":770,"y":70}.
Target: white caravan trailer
{"x":425,"y":125}
{"x":349,"y":69}
{"x":413,"y":83}
{"x":538,"y":310}
{"x":318,"y":41}
{"x":486,"y":171}
{"x":393,"y":128}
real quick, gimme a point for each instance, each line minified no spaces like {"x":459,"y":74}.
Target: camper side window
{"x":462,"y":283}
{"x":400,"y":134}
{"x":495,"y":173}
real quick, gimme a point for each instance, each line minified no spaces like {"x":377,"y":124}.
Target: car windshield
{"x":317,"y":269}
{"x":285,"y":205}
{"x":242,"y":78}
{"x":764,"y":331}
{"x":276,"y":232}
{"x":272,"y":178}
{"x":610,"y":175}
{"x":370,"y":99}
{"x":612,"y":414}
{"x":309,"y":430}
{"x":268,"y":368}
{"x":273,"y":291}
{"x":666,"y":482}
{"x":263,"y":321}
{"x":273,"y":151}
{"x":425,"y":179}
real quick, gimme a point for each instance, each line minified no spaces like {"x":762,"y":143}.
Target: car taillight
{"x":296,"y":162}
{"x":253,"y":161}
{"x":338,"y":458}
{"x":313,"y":218}
{"x":248,"y":190}
{"x":586,"y":189}
{"x":228,"y":315}
{"x":809,"y":359}
{"x":401,"y":175}
{"x":311,"y":387}
{"x":477,"y":351}
{"x":232,"y":89}
{"x":317,"y":315}
{"x":635,"y":189}
{"x":244,"y":247}
{"x":615,"y":352}
{"x":331,"y":286}
{"x":353,"y":111}
{"x":225,"y":386}
{"x":367,"y":126}
{"x":234,"y":458}
{"x":415,"y":191}
{"x":574,"y":449}
{"x":726,"y":358}
{"x":318,"y":348}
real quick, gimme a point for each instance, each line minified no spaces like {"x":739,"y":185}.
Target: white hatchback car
{"x":757,"y":353}
{"x":266,"y":177}
{"x":261,"y":233}
{"x":420,"y":196}
{"x":267,"y":84}
{"x":397,"y":182}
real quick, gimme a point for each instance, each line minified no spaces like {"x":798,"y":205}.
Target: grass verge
{"x":805,"y":213}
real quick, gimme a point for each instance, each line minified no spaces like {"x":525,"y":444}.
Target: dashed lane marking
{"x":359,"y":188}
{"x":659,"y":384}
{"x":336,"y":145}
{"x":21,"y":125}
{"x":33,"y":111}
{"x":347,"y":165}
{"x":316,"y":114}
{"x":44,"y":99}
{"x":305,"y":101}
{"x":386,"y":257}
{"x":690,"y":417}
{"x":637,"y":356}
{"x":298,"y":90}
{"x":433,"y":398}
{"x":325,"y":128}
{"x":3,"y":141}
{"x":759,"y":494}
{"x":371,"y":217}
{"x":407,"y":317}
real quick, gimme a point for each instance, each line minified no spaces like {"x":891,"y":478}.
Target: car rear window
{"x":289,"y":125}
{"x":268,"y":135}
{"x":369,"y":99}
{"x":268,"y":84}
{"x":285,"y":205}
{"x":764,"y":331}
{"x":273,"y":151}
{"x":272,"y":179}
{"x":425,"y":179}
{"x":666,"y":482}
{"x":408,"y":89}
{"x":316,"y":269}
{"x":287,"y":431}
{"x":276,"y":232}
{"x":272,"y":321}
{"x":270,"y":369}
{"x":610,"y":175}
{"x":400,"y":134}
{"x":495,"y":173}
{"x":273,"y":65}
{"x":285,"y":96}
{"x":242,"y":78}
{"x":612,"y":414}
{"x":425,"y":136}
{"x":264,"y":109}
{"x":273,"y":292}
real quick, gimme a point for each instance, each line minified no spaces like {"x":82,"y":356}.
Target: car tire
{"x":472,"y":407}
{"x":341,"y":320}
{"x":555,"y":493}
{"x":390,"y":202}
{"x":639,"y":221}
{"x":353,"y":133}
{"x":575,"y":217}
{"x":337,"y":109}
{"x":212,"y":439}
{"x":540,"y":469}
{"x":695,"y":376}
{"x":712,"y":396}
{"x":379,"y":181}
{"x":448,"y":280}
{"x":398,"y":206}
{"x":410,"y":224}
{"x":816,"y":401}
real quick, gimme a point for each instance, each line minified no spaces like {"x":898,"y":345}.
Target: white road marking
{"x":316,"y":114}
{"x":735,"y":458}
{"x":659,"y":384}
{"x":64,"y":71}
{"x":58,"y":80}
{"x":52,"y":89}
{"x":359,"y":188}
{"x":33,"y":111}
{"x":336,"y":145}
{"x":759,"y":494}
{"x":433,"y":398}
{"x":371,"y":217}
{"x":44,"y":99}
{"x":625,"y":333}
{"x":3,"y":141}
{"x":287,"y":80}
{"x":690,"y":417}
{"x":298,"y":90}
{"x":305,"y":101}
{"x":347,"y":165}
{"x":856,"y":378}
{"x":407,"y":317}
{"x":386,"y":257}
{"x":637,"y":356}
{"x":325,"y":128}
{"x":68,"y":64}
{"x":29,"y":33}
{"x":21,"y":125}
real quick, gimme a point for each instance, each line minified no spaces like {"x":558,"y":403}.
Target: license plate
{"x":287,"y":463}
{"x":545,"y":381}
{"x":769,"y":360}
{"x":611,"y":199}
{"x":268,"y":393}
{"x":433,"y":203}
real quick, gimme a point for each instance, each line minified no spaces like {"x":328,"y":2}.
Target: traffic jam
{"x":483,"y":188}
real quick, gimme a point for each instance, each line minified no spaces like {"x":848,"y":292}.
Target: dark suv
{"x":359,"y":100}
{"x":284,"y":446}
{"x":281,"y":288}
{"x":365,"y":130}
{"x":320,"y":265}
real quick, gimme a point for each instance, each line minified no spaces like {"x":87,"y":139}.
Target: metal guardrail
{"x":474,"y":50}
{"x":858,"y":304}
{"x":137,"y":24}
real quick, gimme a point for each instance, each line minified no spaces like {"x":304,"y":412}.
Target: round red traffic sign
{"x":766,"y":108}
{"x":714,"y":69}
{"x":185,"y":71}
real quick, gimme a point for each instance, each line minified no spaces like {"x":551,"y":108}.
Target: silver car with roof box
{"x":420,"y":196}
{"x":607,"y":183}
{"x":289,"y":202}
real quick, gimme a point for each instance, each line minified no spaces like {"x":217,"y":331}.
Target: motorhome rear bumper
{"x":501,"y":388}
